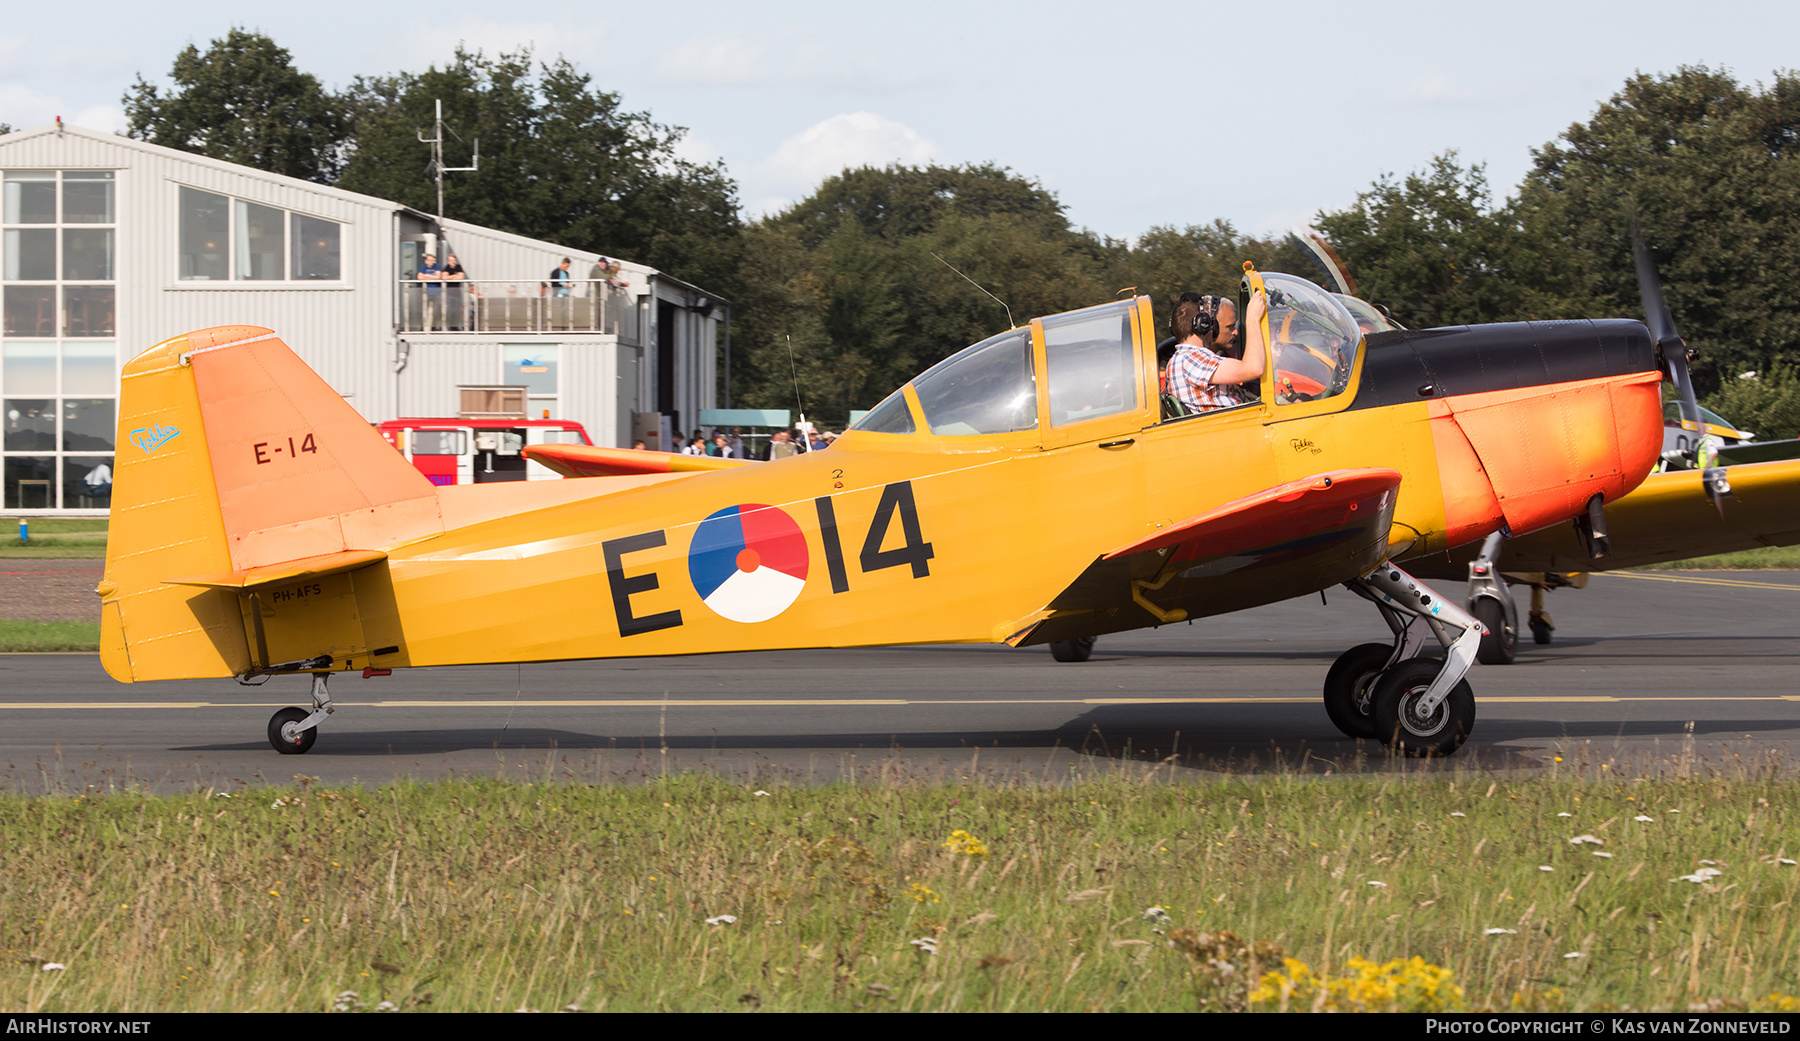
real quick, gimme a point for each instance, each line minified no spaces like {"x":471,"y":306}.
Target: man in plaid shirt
{"x":1201,"y":378}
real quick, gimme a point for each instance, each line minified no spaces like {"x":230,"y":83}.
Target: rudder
{"x":233,"y":457}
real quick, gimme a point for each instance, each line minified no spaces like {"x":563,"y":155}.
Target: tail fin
{"x":237,"y":466}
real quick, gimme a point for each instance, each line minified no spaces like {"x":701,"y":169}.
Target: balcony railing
{"x":530,"y":306}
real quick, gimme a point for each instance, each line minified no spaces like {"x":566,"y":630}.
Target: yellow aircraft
{"x":1031,"y":488}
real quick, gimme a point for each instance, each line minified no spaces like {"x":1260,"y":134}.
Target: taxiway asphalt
{"x":1649,"y":670}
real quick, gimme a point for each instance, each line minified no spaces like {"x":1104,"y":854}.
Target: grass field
{"x":53,"y":537}
{"x":16,"y":637}
{"x":1573,"y":889}
{"x":1749,"y":560}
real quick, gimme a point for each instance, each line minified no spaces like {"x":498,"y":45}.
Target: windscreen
{"x":1313,"y":338}
{"x":985,"y":389}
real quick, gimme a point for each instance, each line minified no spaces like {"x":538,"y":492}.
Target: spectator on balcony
{"x":560,"y":278}
{"x":431,"y":275}
{"x":453,"y":298}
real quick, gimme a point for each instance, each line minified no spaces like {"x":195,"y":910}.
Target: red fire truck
{"x":476,"y":451}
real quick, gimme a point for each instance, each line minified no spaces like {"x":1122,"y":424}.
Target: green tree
{"x":1712,"y":171}
{"x":1204,"y":258}
{"x":560,"y":160}
{"x":1766,"y":402}
{"x":1435,"y":249}
{"x":851,"y":292}
{"x":899,"y":202}
{"x":243,"y":101}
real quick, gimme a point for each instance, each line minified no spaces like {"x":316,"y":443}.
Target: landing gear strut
{"x":1491,"y":602}
{"x":1418,"y":706}
{"x":292,"y":730}
{"x":1541,"y":626}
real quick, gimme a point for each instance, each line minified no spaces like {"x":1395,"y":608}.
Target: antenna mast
{"x":437,"y":167}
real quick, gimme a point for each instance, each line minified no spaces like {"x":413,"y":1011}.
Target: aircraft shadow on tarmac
{"x":1664,"y":645}
{"x":1239,"y":739}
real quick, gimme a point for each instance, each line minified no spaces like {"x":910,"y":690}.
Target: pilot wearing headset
{"x":1201,"y":376}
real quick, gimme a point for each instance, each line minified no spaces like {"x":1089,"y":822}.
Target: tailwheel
{"x":1541,"y":628}
{"x":1399,"y":695}
{"x":1078,"y":649}
{"x":1349,"y":687}
{"x":284,"y":735}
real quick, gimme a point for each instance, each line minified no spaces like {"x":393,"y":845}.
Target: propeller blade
{"x":1674,"y":353}
{"x":1656,"y":309}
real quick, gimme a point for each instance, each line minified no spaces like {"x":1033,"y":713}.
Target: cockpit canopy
{"x":1091,"y":366}
{"x":1313,"y":337}
{"x":1077,"y":375}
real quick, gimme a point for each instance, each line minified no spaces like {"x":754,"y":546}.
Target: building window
{"x":534,"y":367}
{"x":318,"y":250}
{"x":59,"y":366}
{"x":222,"y":238}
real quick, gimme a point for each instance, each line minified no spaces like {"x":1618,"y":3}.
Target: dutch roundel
{"x":748,"y":563}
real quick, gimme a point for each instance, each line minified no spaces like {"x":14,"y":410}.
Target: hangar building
{"x":112,"y":245}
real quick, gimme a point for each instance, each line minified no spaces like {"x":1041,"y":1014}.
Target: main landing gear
{"x":1078,"y":649}
{"x":293,"y":730}
{"x":1417,"y":705}
{"x":1491,"y":602}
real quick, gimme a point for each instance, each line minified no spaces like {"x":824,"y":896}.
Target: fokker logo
{"x":152,"y":437}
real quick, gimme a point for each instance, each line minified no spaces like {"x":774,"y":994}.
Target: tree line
{"x":849,"y":292}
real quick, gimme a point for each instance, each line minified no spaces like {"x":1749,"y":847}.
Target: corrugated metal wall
{"x":341,"y":328}
{"x":345,"y":329}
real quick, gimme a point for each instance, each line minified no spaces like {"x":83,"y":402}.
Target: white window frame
{"x":233,"y":283}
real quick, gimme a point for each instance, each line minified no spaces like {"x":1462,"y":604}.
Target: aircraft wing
{"x":595,"y":461}
{"x":1668,"y":517}
{"x":1285,"y":541}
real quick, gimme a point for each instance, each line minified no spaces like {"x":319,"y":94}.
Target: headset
{"x":1204,"y":324}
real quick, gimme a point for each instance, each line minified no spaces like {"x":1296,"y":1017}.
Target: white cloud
{"x":697,"y":149}
{"x":434,"y":41}
{"x":788,"y":57}
{"x":1439,"y":89}
{"x":24,"y":107}
{"x":848,"y":140}
{"x":95,"y":62}
{"x":108,"y":118}
{"x":1436,"y":89}
{"x":717,"y":61}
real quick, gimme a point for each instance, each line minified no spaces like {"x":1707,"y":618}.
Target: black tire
{"x":1078,"y":649}
{"x":1501,"y":641}
{"x":1349,"y":687}
{"x":1400,"y":688}
{"x":1540,"y":632}
{"x":281,"y":719}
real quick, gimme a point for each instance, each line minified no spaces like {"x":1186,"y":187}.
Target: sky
{"x":1156,"y":114}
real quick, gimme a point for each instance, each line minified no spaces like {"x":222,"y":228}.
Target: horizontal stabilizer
{"x":287,"y":571}
{"x":594,"y":461}
{"x":1275,"y":515}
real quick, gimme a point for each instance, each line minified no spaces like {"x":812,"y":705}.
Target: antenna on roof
{"x":799,"y":406}
{"x":1010,"y":324}
{"x":437,"y":169}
